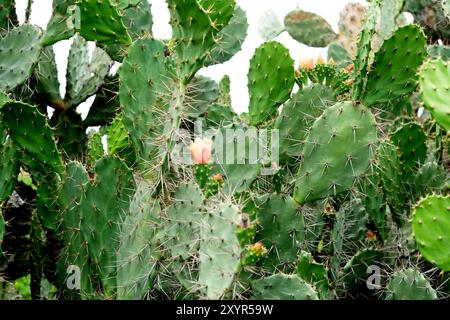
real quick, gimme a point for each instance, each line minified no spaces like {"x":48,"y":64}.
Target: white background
{"x":237,"y":67}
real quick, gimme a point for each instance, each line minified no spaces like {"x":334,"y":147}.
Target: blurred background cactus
{"x":168,"y":198}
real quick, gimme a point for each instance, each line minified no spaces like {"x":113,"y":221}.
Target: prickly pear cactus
{"x":162,"y":190}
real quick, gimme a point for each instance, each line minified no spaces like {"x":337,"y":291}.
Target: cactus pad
{"x":434,"y":87}
{"x":410,"y":284}
{"x":309,"y":28}
{"x":393,"y":73}
{"x":20,"y":51}
{"x":270,"y":80}
{"x":431,"y":229}
{"x":338,"y":150}
{"x":283,"y":287}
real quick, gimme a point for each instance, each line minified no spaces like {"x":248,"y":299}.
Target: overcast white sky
{"x":237,"y":67}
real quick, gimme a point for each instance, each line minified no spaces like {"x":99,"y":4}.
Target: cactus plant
{"x":354,"y":177}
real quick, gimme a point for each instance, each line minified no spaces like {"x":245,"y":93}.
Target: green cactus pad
{"x":29,"y":130}
{"x":103,"y":209}
{"x":75,"y":253}
{"x":283,"y":287}
{"x":364,"y":48}
{"x":338,"y":151}
{"x":201,"y":93}
{"x":339,"y":54}
{"x":220,"y":251}
{"x":2,"y":231}
{"x":184,"y":221}
{"x":229,"y":39}
{"x":62,"y":23}
{"x":220,"y":12}
{"x":20,"y":51}
{"x":138,"y":253}
{"x":393,"y":73}
{"x":434,"y":85}
{"x":143,"y":80}
{"x":355,"y":270}
{"x":309,"y":28}
{"x":100,"y":21}
{"x":85,"y":74}
{"x":270,"y":80}
{"x":138,"y":19}
{"x":437,"y":51}
{"x":297,"y":117}
{"x":410,"y":140}
{"x":431,"y":229}
{"x":314,"y":273}
{"x":410,"y":284}
{"x":47,"y":77}
{"x":194,"y":35}
{"x":8,"y":17}
{"x":9,"y":166}
{"x":282,"y":230}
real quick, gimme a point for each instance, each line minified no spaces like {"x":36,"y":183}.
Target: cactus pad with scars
{"x":270,"y":80}
{"x":309,"y":28}
{"x":337,"y":151}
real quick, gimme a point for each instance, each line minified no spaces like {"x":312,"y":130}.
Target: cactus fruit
{"x":20,"y":51}
{"x":433,"y":80}
{"x":283,"y":287}
{"x":100,"y":21}
{"x":309,"y":28}
{"x":220,"y":251}
{"x":298,"y":115}
{"x":282,"y":231}
{"x":270,"y":64}
{"x":410,"y":284}
{"x":337,"y":151}
{"x":393,"y":73}
{"x":431,"y":229}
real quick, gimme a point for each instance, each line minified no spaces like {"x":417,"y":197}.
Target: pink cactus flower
{"x":201,"y":150}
